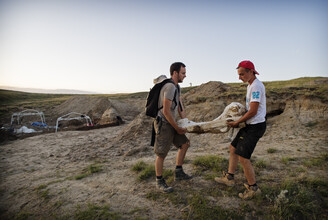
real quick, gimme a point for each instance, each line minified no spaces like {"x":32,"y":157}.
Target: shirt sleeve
{"x":169,"y":90}
{"x":256,"y":94}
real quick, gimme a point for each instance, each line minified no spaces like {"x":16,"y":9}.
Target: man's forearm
{"x":182,"y":114}
{"x":170,"y":119}
{"x":245,"y":117}
{"x":181,"y":109}
{"x":251,"y":113}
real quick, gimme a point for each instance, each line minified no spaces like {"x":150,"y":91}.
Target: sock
{"x":178,"y":167}
{"x":159,"y":177}
{"x":231,"y":176}
{"x":254,"y":186}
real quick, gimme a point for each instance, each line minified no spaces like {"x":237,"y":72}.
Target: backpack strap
{"x":174,"y":99}
{"x":180,"y":105}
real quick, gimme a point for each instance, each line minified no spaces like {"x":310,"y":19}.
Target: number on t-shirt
{"x":256,"y":95}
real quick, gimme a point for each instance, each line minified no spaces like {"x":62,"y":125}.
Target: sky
{"x":120,"y":46}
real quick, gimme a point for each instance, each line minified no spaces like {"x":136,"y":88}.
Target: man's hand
{"x":168,"y":115}
{"x":249,"y":114}
{"x":233,"y":124}
{"x":181,"y":130}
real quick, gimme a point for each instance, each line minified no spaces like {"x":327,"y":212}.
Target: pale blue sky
{"x":120,"y":46}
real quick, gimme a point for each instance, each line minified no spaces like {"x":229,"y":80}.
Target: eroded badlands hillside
{"x":107,"y":173}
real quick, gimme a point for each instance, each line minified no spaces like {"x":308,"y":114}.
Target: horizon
{"x":113,"y":46}
{"x":82,"y":92}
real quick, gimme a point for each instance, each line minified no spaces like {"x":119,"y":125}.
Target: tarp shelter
{"x":27,"y":112}
{"x":74,"y":116}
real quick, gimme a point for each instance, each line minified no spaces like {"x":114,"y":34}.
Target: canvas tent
{"x":27,"y":112}
{"x":74,"y":116}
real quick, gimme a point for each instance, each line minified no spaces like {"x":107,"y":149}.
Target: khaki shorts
{"x":166,"y":135}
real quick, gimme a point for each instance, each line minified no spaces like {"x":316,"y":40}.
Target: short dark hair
{"x":176,"y":67}
{"x":247,"y":70}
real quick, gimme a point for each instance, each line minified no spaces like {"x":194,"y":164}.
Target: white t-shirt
{"x":256,"y":93}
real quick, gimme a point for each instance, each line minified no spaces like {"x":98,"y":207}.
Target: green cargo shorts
{"x":166,"y":135}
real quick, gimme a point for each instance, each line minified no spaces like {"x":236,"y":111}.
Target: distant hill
{"x":47,"y":91}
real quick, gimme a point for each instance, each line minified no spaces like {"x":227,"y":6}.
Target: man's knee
{"x":232,"y":149}
{"x":244,"y":161}
{"x":185,"y":145}
{"x":160,"y":158}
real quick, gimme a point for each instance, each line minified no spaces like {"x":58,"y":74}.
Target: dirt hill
{"x":108,"y":173}
{"x":94,"y":107}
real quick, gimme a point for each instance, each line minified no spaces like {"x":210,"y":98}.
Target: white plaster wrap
{"x":232,"y":112}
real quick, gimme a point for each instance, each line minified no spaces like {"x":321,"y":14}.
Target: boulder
{"x":110,"y":116}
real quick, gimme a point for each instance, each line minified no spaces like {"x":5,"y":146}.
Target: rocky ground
{"x":88,"y":174}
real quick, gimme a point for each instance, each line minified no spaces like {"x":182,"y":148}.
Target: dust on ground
{"x":38,"y":173}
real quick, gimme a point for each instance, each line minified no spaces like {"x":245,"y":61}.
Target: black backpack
{"x":153,"y":97}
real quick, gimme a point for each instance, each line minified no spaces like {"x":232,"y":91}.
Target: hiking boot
{"x":181,"y":175}
{"x":161,"y":184}
{"x":250,"y":192}
{"x":225,"y":180}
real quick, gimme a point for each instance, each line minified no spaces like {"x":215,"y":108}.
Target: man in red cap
{"x":242,"y":147}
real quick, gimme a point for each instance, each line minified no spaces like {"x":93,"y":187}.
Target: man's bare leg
{"x":160,"y":182}
{"x":159,"y":162}
{"x":228,"y":178}
{"x":233,"y":160}
{"x":182,"y":154}
{"x":248,"y":170}
{"x":179,"y":173}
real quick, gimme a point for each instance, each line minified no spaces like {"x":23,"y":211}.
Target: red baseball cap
{"x":248,"y":65}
